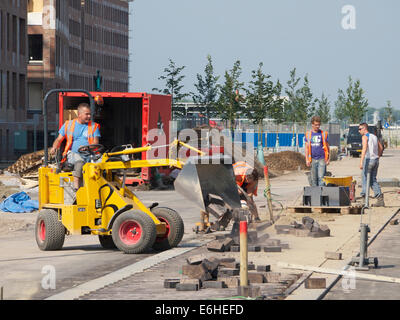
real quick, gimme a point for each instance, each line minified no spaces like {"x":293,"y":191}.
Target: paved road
{"x":385,"y":248}
{"x":23,"y":267}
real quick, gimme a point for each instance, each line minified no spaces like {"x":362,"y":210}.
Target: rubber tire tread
{"x":107,"y":241}
{"x":177,"y":228}
{"x":55,"y":231}
{"x":149,"y":232}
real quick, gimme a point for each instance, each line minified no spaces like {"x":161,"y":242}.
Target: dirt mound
{"x":286,"y":160}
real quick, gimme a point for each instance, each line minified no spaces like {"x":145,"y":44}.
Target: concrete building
{"x":13,"y":75}
{"x":69,"y":42}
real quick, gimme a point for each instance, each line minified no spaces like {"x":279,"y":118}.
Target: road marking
{"x":140,"y":266}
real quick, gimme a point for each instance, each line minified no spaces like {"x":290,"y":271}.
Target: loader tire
{"x":134,"y":232}
{"x":175,"y":229}
{"x":107,"y":242}
{"x":49,"y":231}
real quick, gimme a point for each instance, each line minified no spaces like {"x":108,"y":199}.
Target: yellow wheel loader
{"x":105,"y":207}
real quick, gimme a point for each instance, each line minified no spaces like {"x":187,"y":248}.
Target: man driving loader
{"x":78,"y":132}
{"x":247,"y":179}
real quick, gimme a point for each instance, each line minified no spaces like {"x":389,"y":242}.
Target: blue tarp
{"x":18,"y":203}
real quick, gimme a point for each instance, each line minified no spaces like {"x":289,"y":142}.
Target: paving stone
{"x":300,"y":232}
{"x":394,"y":222}
{"x":263,"y":238}
{"x":323,"y":231}
{"x":235,"y":248}
{"x":227,"y":244}
{"x":249,"y":291}
{"x":228,"y":272}
{"x":252,"y":236}
{"x":283,"y":227}
{"x":212,"y":266}
{"x":196,"y":259}
{"x":192,"y":281}
{"x":171,"y":283}
{"x":263,"y":268}
{"x":272,"y":277}
{"x":187,"y":287}
{"x":272,"y":242}
{"x":315,"y":283}
{"x":283,"y":231}
{"x":284,"y":245}
{"x":227,"y":259}
{"x":250,"y":266}
{"x":231,"y":264}
{"x":220,"y":237}
{"x":216,"y":245}
{"x":199,"y":271}
{"x":272,"y":249}
{"x":230,"y":282}
{"x":252,"y":248}
{"x":333,"y":255}
{"x":255,"y":277}
{"x":214,"y":284}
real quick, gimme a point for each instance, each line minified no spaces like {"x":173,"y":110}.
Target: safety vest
{"x":241,"y":169}
{"x":69,"y":131}
{"x":324,"y":135}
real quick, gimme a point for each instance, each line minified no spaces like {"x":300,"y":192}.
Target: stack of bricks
{"x":223,"y":243}
{"x":201,"y":272}
{"x":308,"y":228}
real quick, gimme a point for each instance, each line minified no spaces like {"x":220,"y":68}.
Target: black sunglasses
{"x":360,"y":129}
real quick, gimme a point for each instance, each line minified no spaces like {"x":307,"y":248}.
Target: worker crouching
{"x":247,"y":180}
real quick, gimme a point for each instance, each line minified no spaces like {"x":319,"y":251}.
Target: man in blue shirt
{"x":317,"y":151}
{"x":78,"y":132}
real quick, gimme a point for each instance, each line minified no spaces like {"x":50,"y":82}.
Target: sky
{"x":314,"y":36}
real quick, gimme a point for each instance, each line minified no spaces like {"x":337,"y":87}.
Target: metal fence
{"x":273,"y":135}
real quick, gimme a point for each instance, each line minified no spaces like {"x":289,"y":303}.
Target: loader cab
{"x":120,"y":119}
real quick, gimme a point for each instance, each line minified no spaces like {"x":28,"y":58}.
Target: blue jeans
{"x":318,"y":171}
{"x":373,"y":164}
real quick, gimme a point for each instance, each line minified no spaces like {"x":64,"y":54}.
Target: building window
{"x":35,"y":96}
{"x":35,"y":47}
{"x":22,"y":36}
{"x":22,"y":91}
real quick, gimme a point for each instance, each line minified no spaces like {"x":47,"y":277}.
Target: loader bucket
{"x":200,"y":177}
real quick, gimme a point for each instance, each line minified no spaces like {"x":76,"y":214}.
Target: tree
{"x":207,"y":90}
{"x":351,"y":105}
{"x":388,"y":113}
{"x":173,"y":79}
{"x":300,"y":105}
{"x":262,"y":97}
{"x":323,"y":108}
{"x":228,"y":105}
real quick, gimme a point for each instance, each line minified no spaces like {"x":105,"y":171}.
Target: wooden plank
{"x":326,"y":210}
{"x":358,"y":275}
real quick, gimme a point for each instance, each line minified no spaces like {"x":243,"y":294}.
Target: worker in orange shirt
{"x":247,"y":179}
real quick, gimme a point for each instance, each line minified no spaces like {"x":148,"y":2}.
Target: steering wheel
{"x":92,"y":150}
